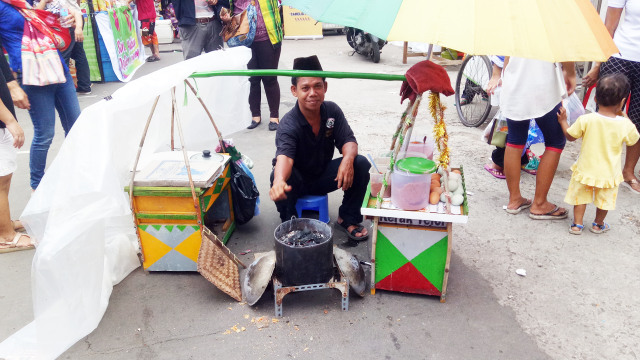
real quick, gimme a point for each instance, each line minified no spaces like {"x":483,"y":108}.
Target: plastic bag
{"x":574,"y":108}
{"x":498,"y":133}
{"x":244,"y":194}
{"x":246,"y":168}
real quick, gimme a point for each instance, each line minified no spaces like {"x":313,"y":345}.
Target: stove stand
{"x":342,"y":285}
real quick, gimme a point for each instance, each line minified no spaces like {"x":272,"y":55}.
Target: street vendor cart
{"x":413,"y":248}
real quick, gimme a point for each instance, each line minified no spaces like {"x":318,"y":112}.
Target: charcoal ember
{"x":302,"y":238}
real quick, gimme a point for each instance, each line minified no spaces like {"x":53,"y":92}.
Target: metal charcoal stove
{"x":304,"y":261}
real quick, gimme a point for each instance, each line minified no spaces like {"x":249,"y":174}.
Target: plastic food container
{"x":376,"y":178}
{"x":411,"y":180}
{"x":376,"y":184}
{"x":424,"y":147}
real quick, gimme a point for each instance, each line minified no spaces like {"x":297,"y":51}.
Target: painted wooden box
{"x":167,"y":222}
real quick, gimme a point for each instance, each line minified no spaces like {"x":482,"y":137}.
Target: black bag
{"x":244,"y":194}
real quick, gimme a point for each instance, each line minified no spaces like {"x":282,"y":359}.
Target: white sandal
{"x":13,"y":245}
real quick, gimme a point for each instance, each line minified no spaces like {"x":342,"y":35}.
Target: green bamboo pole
{"x":300,"y":73}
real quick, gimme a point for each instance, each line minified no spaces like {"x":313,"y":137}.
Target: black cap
{"x":307,"y":63}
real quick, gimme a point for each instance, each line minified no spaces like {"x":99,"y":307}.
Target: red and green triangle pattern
{"x":410,"y":260}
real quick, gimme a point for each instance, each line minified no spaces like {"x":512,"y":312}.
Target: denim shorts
{"x":554,"y":138}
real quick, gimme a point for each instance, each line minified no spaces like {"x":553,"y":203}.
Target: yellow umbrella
{"x":550,"y":30}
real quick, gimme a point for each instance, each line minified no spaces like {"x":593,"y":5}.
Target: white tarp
{"x":80,"y":214}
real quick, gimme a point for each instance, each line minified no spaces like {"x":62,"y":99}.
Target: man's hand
{"x":278,"y":190}
{"x":212,"y":2}
{"x":18,"y":95}
{"x":345,"y":174}
{"x":17,"y":133}
{"x":591,"y":77}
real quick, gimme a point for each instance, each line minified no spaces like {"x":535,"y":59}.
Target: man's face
{"x":310,"y":93}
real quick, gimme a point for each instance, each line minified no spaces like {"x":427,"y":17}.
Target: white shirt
{"x":627,"y":35}
{"x":203,"y":10}
{"x":530,"y":89}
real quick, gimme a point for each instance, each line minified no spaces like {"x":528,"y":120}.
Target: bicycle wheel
{"x":473,"y":76}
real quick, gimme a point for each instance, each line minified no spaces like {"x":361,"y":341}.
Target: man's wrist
{"x":348,"y":157}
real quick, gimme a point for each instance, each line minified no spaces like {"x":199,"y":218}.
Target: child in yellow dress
{"x":597,"y":172}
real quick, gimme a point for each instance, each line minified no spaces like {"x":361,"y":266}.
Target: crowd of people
{"x":40,"y":37}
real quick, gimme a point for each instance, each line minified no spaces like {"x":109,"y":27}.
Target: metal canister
{"x":304,"y":264}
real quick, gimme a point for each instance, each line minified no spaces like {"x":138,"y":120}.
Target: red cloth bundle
{"x":425,"y":76}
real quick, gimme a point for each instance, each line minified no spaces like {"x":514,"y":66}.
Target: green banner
{"x":126,"y":41}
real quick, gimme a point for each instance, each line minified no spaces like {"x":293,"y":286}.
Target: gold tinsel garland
{"x":439,"y":129}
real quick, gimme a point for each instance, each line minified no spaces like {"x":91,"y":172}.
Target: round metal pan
{"x":257,"y":277}
{"x":351,"y":268}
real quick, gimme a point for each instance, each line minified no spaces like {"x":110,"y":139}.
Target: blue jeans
{"x":45,"y":100}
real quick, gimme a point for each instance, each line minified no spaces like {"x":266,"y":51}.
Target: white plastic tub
{"x":164,"y":31}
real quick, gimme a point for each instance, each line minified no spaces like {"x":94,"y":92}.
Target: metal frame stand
{"x":341,"y":285}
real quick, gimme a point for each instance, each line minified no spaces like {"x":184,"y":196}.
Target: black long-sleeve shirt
{"x":5,"y":76}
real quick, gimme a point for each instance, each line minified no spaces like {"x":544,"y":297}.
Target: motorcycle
{"x":365,"y":43}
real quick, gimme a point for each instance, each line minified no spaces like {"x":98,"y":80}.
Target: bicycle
{"x":472,"y":102}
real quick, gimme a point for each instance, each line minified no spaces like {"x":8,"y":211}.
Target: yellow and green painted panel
{"x":170,"y":247}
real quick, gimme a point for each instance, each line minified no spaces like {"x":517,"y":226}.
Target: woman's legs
{"x":6,"y":226}
{"x":44,"y":102}
{"x":271,"y":86}
{"x":630,"y":162}
{"x":66,"y":102}
{"x":516,"y":140}
{"x":554,"y":141}
{"x":7,"y":232}
{"x":266,"y":57}
{"x":43,"y":116}
{"x":633,"y":152}
{"x":254,"y":84}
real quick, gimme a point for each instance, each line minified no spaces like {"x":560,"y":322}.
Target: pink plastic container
{"x":422,"y":147}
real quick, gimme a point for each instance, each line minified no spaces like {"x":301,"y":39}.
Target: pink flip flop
{"x":495,"y":172}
